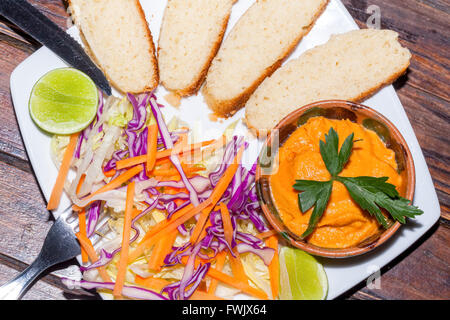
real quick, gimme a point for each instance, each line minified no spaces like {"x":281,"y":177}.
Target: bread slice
{"x":350,"y":66}
{"x":267,"y":32}
{"x":117,"y":37}
{"x":191,"y":34}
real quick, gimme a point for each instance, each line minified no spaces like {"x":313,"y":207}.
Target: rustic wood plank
{"x":409,"y":275}
{"x":24,"y":219}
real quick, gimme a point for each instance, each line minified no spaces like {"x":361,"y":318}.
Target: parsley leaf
{"x":334,"y":159}
{"x":374,"y":193}
{"x":370,"y":193}
{"x":317,"y":194}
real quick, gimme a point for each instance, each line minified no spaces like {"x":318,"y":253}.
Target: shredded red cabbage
{"x":128,"y":291}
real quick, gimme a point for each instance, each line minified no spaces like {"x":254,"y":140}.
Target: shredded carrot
{"x":189,"y":211}
{"x":123,"y":261}
{"x":82,"y":224}
{"x":237,"y":268}
{"x":87,"y":245}
{"x":218,"y":191}
{"x":274,"y":268}
{"x":203,"y":234}
{"x":110,"y":173}
{"x":152,"y":146}
{"x":117,"y":182}
{"x":266,"y":234}
{"x":232,"y":281}
{"x":226,"y":178}
{"x":161,"y":250}
{"x":220,"y":262}
{"x":157,"y":284}
{"x":207,"y":152}
{"x":200,"y":225}
{"x":129,"y":162}
{"x":188,"y":170}
{"x":166,"y":226}
{"x":161,"y":225}
{"x":58,"y":188}
{"x":227,"y":225}
{"x":80,"y":183}
{"x":244,"y":287}
{"x":235,"y":261}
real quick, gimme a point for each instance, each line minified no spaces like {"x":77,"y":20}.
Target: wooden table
{"x":422,"y":272}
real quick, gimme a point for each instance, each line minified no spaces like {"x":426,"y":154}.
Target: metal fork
{"x":60,"y":245}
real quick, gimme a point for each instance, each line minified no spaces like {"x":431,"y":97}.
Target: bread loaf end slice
{"x":117,"y":37}
{"x":350,"y":66}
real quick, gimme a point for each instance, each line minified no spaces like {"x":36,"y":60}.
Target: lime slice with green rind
{"x":302,"y":277}
{"x":63,"y":101}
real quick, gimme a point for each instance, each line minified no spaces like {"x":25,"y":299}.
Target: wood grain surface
{"x":422,"y":272}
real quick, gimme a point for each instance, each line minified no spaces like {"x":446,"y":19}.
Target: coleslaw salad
{"x":183,"y":216}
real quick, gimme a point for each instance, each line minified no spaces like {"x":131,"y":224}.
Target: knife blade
{"x":38,"y":26}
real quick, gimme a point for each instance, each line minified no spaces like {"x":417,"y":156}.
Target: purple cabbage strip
{"x":140,"y":111}
{"x":128,"y":291}
{"x":92,"y":217}
{"x":183,"y":289}
{"x":167,"y":141}
{"x":105,"y":256}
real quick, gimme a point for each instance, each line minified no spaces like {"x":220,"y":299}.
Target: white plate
{"x":342,"y":274}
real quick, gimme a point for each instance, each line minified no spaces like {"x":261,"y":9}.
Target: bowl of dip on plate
{"x":291,"y":152}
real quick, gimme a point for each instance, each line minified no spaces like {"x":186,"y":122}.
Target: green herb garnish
{"x":370,"y":193}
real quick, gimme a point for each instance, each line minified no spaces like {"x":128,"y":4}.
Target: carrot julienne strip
{"x":225,"y":278}
{"x":82,"y":224}
{"x":267,"y":234}
{"x":58,"y":188}
{"x":123,"y":261}
{"x":161,"y":250}
{"x":117,"y":182}
{"x":220,"y":262}
{"x":110,"y":173}
{"x":200,"y":225}
{"x":80,"y":183}
{"x":227,"y":225}
{"x":129,"y":162}
{"x":166,"y":226}
{"x":235,"y":261}
{"x":274,"y":268}
{"x":150,"y":238}
{"x":218,"y":192}
{"x":244,"y":287}
{"x":86,"y":243}
{"x":152,"y":145}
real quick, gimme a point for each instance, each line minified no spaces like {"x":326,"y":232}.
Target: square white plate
{"x":342,"y":274}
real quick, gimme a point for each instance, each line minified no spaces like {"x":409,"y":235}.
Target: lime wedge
{"x":63,"y":101}
{"x":301,"y":276}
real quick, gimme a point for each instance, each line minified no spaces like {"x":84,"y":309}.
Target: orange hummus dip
{"x":343,"y":224}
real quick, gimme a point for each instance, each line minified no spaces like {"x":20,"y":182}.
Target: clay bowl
{"x":332,"y":109}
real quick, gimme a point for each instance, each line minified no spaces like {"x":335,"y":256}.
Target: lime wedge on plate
{"x":63,"y":101}
{"x":301,"y":276}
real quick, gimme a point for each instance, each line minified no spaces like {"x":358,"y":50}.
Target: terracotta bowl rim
{"x":409,"y":194}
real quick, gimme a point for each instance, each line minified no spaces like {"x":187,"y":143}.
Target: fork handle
{"x":14,"y":289}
